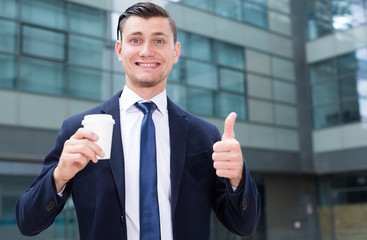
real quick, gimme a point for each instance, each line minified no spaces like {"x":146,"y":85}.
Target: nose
{"x":146,"y":50}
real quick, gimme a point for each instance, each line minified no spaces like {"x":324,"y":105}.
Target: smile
{"x":147,"y":64}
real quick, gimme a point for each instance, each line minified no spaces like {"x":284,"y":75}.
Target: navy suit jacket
{"x":98,"y":190}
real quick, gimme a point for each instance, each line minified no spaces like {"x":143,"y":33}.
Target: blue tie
{"x":149,"y":209}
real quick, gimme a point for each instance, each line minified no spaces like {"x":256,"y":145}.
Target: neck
{"x":146,"y":93}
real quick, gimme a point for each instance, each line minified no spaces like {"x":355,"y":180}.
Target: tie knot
{"x":146,"y":107}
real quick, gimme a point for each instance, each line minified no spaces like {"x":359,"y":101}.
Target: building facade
{"x":294,"y":71}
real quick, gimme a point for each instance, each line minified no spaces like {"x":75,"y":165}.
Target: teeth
{"x":147,"y":65}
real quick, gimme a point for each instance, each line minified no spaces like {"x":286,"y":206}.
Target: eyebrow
{"x":154,"y":34}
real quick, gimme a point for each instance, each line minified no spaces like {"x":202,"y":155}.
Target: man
{"x":196,"y":169}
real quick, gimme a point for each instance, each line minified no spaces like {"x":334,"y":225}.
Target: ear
{"x":118,"y":49}
{"x":177,"y":52}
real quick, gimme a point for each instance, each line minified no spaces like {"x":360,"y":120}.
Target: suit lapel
{"x":117,"y":155}
{"x":178,"y":128}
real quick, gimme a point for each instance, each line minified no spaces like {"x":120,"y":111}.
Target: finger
{"x":222,"y":146}
{"x":82,"y":133}
{"x":226,"y":165}
{"x":225,"y":156}
{"x":228,"y":157}
{"x":227,"y":146}
{"x":228,"y":126}
{"x":84,"y":147}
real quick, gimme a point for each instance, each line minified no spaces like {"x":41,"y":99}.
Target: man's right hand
{"x":77,"y":152}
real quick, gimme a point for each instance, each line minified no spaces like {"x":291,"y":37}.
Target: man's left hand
{"x":227,"y":155}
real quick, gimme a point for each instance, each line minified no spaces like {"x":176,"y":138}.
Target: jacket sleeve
{"x":38,"y":207}
{"x":238,"y":210}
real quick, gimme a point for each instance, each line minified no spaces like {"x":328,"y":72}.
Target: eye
{"x":134,"y":40}
{"x":159,"y":41}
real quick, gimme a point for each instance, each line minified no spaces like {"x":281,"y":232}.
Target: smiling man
{"x":168,"y":168}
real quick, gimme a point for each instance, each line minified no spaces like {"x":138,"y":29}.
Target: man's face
{"x":147,"y":52}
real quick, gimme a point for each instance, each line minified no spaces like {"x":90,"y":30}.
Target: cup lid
{"x":92,"y":118}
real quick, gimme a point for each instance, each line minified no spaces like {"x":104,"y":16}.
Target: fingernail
{"x":95,"y":137}
{"x":101,"y":153}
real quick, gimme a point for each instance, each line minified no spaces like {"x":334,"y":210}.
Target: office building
{"x":294,"y":71}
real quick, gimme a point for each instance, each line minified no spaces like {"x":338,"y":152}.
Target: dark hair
{"x":145,"y":10}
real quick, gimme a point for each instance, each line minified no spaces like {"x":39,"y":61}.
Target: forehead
{"x":147,"y":26}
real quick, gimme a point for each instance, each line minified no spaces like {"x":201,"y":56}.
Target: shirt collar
{"x":128,"y":98}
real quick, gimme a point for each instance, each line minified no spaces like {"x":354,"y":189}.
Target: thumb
{"x":228,"y":126}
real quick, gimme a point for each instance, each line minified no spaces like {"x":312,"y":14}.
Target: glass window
{"x":232,"y":80}
{"x":206,"y":5}
{"x":319,"y":22}
{"x":326,"y":116}
{"x":85,"y":51}
{"x":11,"y":187}
{"x":362,"y":87}
{"x":118,"y":82}
{"x":229,"y":9}
{"x":323,"y":71}
{"x":363,"y":108}
{"x":177,"y":93}
{"x":348,"y":14}
{"x":85,"y":83}
{"x":262,"y":2}
{"x":42,"y":76}
{"x":347,"y":64}
{"x":232,"y":103}
{"x":361,"y":55}
{"x":177,"y":73}
{"x":43,"y":43}
{"x":87,"y":21}
{"x":282,"y":68}
{"x":7,"y":70}
{"x":230,"y":55}
{"x":116,"y":64}
{"x":325,"y":93}
{"x":348,"y":88}
{"x":350,"y":111}
{"x":9,"y":8}
{"x":255,"y":14}
{"x":201,"y":101}
{"x":198,"y":47}
{"x":284,"y":92}
{"x":181,"y":37}
{"x":201,"y":74}
{"x":47,"y":13}
{"x":8,"y":36}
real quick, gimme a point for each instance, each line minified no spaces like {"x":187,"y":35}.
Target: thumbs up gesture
{"x":227,"y":155}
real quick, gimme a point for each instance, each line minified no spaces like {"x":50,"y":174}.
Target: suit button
{"x":244,"y":205}
{"x":122,"y":219}
{"x":50,"y":206}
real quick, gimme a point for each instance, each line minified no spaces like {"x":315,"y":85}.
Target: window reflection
{"x":201,"y":101}
{"x":362,"y":87}
{"x":325,"y":17}
{"x":344,"y":84}
{"x":363,"y":109}
{"x":8,"y":70}
{"x":51,"y":14}
{"x":8,"y":36}
{"x":43,"y":43}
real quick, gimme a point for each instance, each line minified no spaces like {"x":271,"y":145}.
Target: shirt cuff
{"x":61,"y":193}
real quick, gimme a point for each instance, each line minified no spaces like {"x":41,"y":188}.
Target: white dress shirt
{"x":131,"y":118}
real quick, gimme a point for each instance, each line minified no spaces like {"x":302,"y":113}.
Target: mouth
{"x":147,"y":65}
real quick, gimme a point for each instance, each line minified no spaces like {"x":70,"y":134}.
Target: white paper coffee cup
{"x":102,"y":125}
